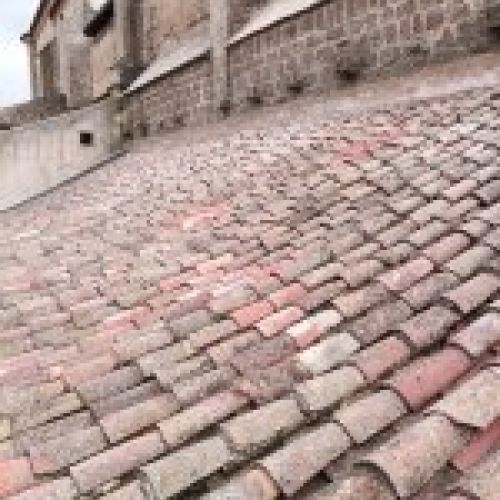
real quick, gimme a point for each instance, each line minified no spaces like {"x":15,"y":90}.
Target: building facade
{"x":176,"y":62}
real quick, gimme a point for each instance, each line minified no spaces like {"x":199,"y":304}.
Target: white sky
{"x":15,"y":17}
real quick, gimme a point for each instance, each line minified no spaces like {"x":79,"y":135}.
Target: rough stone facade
{"x":318,"y":47}
{"x":59,"y":51}
{"x":181,"y":98}
{"x":163,"y":20}
{"x":341,"y":40}
{"x":257,"y":51}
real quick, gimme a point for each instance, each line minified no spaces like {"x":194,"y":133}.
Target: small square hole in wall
{"x":86,"y":138}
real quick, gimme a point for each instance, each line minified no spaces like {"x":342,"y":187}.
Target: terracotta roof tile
{"x":340,"y":286}
{"x":368,"y":416}
{"x":252,"y":485}
{"x":116,"y":461}
{"x":476,"y":402}
{"x":328,"y":353}
{"x":252,"y":431}
{"x":131,"y":491}
{"x":364,"y":485}
{"x":313,"y":327}
{"x":129,"y":421}
{"x":484,"y":480}
{"x":60,"y":489}
{"x":480,"y":335}
{"x":426,"y":377}
{"x":483,"y":442}
{"x":474,"y":292}
{"x":429,"y":326}
{"x":57,"y":454}
{"x":178,"y":471}
{"x":413,"y":456}
{"x":296,"y":463}
{"x":354,"y":303}
{"x":379,"y":321}
{"x":15,"y":476}
{"x":327,"y":390}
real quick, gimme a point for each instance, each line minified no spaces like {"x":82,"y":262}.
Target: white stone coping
{"x":274,"y":12}
{"x":173,"y":58}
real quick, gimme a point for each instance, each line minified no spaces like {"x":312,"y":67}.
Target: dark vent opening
{"x":86,"y":139}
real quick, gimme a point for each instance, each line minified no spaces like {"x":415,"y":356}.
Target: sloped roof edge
{"x":186,"y":52}
{"x":38,"y":14}
{"x":273,"y":13}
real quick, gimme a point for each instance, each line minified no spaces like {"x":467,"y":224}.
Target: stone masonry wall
{"x":181,"y":98}
{"x":326,"y":46}
{"x":340,"y":40}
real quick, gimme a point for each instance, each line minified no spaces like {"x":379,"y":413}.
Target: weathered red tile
{"x":429,"y":376}
{"x":313,"y":327}
{"x":378,"y":359}
{"x":252,"y":314}
{"x":182,"y":426}
{"x":279,"y":321}
{"x":15,"y":476}
{"x":481,"y":444}
{"x":288,"y":296}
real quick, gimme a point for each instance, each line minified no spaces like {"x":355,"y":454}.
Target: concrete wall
{"x":41,"y":155}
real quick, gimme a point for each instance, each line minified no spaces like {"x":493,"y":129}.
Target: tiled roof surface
{"x":307,"y":310}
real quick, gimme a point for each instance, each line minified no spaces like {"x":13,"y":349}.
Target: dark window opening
{"x":86,"y":138}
